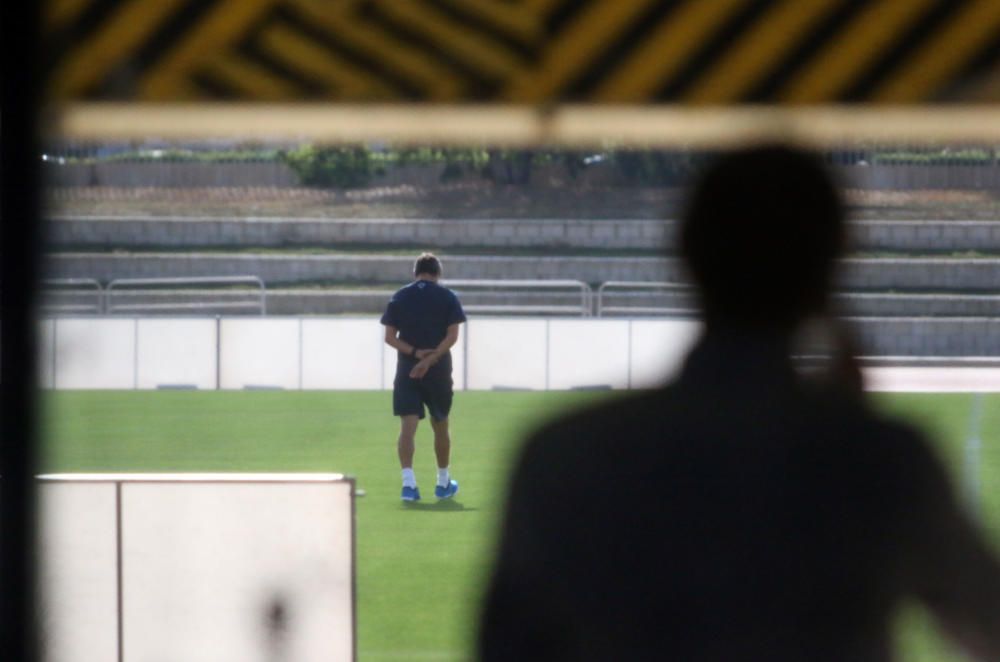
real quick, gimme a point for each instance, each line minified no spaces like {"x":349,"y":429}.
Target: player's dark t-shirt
{"x":422,"y":312}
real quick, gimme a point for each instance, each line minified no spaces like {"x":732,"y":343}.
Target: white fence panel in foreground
{"x":224,"y":567}
{"x":78,"y":541}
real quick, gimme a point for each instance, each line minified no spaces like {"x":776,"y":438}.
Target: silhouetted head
{"x":762,"y":228}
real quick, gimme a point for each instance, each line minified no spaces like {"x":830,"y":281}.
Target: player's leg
{"x":407,"y":404}
{"x":437,"y":394}
{"x":442,"y":447}
{"x":407,"y":440}
{"x":405,"y":448}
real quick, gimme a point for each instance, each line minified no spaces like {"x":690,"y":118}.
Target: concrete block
{"x":603,"y":231}
{"x":553,"y":230}
{"x":362,"y":232}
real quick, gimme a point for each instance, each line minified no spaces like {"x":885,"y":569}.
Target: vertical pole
{"x":548,"y":358}
{"x":54,"y":347}
{"x":628,"y":381}
{"x":381,"y":357}
{"x":135,"y":353}
{"x":465,"y":358}
{"x":973,"y":450}
{"x":218,"y":352}
{"x":20,"y":232}
{"x":119,"y":572}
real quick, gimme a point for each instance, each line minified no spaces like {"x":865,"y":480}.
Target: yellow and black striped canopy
{"x":521,"y":51}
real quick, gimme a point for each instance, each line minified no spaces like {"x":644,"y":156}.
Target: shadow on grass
{"x":442,"y":506}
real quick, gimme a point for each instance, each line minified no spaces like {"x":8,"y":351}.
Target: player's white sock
{"x":409,"y":480}
{"x":443,"y":477}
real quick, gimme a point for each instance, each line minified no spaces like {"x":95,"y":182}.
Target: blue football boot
{"x":410,"y":494}
{"x":447,"y":491}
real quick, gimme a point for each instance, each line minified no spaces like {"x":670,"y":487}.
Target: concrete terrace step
{"x":970,"y":275}
{"x":631,"y":234}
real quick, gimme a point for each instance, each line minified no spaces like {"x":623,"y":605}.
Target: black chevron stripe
{"x":479,"y":83}
{"x":902,"y":49}
{"x":564,"y":14}
{"x":807,"y":48}
{"x":214,"y":88}
{"x":983,"y":63}
{"x":251,"y":51}
{"x":60,"y":44}
{"x":474,"y":22}
{"x":167,"y":34}
{"x":711,"y":50}
{"x":614,"y":53}
{"x":317,"y":87}
{"x":407,"y":88}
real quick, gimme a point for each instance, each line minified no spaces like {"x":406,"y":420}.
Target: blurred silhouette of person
{"x":744,"y":511}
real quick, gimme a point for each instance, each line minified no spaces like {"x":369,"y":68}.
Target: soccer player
{"x":421,"y":322}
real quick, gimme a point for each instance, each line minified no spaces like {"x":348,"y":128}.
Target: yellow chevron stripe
{"x":427,"y":73}
{"x":572,"y":50}
{"x":347,"y":81}
{"x":475,"y":48}
{"x":946,"y":52}
{"x":665,"y":50}
{"x":841,"y":60}
{"x":512,"y":19}
{"x":117,"y":39}
{"x":251,"y":80}
{"x":758,"y":50}
{"x":226,"y":22}
{"x":60,"y":12}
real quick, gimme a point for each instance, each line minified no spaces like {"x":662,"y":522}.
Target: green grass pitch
{"x":420,"y":570}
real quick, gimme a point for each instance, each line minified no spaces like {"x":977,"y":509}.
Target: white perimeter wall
{"x":349,"y":353}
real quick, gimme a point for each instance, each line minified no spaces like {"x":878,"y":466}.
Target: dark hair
{"x":762,"y":229}
{"x":427,"y":263}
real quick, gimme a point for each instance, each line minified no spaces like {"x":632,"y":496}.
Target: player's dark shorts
{"x":409,"y":396}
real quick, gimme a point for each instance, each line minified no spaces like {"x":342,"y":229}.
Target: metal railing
{"x":577,"y":291}
{"x":680,"y":301}
{"x":636,"y":289}
{"x":72,"y":296}
{"x":184,"y":299}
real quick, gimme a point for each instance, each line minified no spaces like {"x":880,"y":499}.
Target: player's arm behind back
{"x":432,"y":357}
